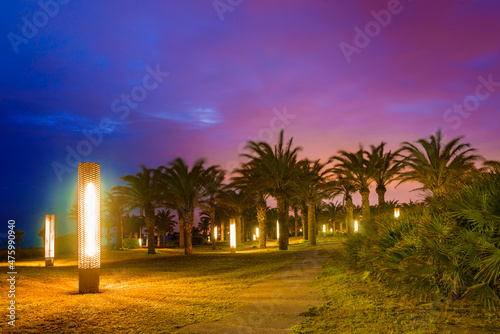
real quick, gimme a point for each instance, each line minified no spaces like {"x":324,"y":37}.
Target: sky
{"x":125,"y":83}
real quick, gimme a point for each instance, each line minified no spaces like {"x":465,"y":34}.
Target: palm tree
{"x":115,"y":205}
{"x":141,"y":192}
{"x":164,"y":221}
{"x":356,"y":168}
{"x":345,"y":187}
{"x":385,"y":170}
{"x":186,"y":188}
{"x":332,"y":211}
{"x":19,"y":237}
{"x":214,"y":188}
{"x":436,"y":165}
{"x":279,"y":170}
{"x":236,"y":202}
{"x":204,"y":224}
{"x":311,"y":185}
{"x":249,"y":178}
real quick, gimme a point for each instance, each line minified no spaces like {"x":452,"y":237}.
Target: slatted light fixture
{"x":50,"y":237}
{"x":89,"y":226}
{"x":232,"y":235}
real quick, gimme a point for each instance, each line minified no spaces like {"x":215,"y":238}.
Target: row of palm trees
{"x":295,"y":184}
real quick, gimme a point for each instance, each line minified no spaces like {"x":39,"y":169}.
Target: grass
{"x":139,"y":292}
{"x":354,"y":305}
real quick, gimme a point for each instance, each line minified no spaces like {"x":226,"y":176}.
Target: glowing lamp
{"x":89,"y":226}
{"x":355,"y":226}
{"x":232,"y":235}
{"x":257,"y":232}
{"x":331,"y":230}
{"x":396,"y":213}
{"x":50,"y":237}
{"x":215,"y":233}
{"x":140,"y":242}
{"x":324,"y":228}
{"x":254,"y":237}
{"x":277,"y":229}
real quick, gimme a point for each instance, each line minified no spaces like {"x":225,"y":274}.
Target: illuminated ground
{"x":161,"y":293}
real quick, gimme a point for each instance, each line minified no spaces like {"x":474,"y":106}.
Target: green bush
{"x":130,"y":243}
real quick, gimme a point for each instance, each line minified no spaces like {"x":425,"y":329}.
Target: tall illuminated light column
{"x":257,"y":232}
{"x":215,"y":233}
{"x":277,"y":230}
{"x":232,"y":235}
{"x":324,"y":228}
{"x":355,"y":226}
{"x":89,"y":226}
{"x":50,"y":238}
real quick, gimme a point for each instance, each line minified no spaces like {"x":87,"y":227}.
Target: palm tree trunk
{"x":222,"y":232}
{"x":365,"y":204}
{"x":296,"y":218}
{"x":303,"y":216}
{"x":311,"y":213}
{"x":182,"y":233}
{"x":212,"y":227}
{"x":119,"y":233}
{"x":150,"y":225}
{"x":188,"y":228}
{"x":381,"y":199}
{"x":261,"y":217}
{"x":349,"y":209}
{"x":283,"y":241}
{"x":238,"y":229}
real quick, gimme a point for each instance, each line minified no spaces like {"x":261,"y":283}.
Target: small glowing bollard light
{"x":277,"y":230}
{"x":324,"y":228}
{"x":355,"y":226}
{"x":254,"y":237}
{"x":215,"y":233}
{"x":257,"y":232}
{"x":396,"y":213}
{"x":140,"y":242}
{"x":50,"y":237}
{"x":232,"y":237}
{"x":89,"y":226}
{"x":331,"y":230}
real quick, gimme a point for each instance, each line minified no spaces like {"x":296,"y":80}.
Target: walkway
{"x":273,"y":305}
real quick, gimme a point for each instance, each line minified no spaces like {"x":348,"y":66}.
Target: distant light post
{"x":324,"y":228}
{"x":355,"y":226}
{"x":215,"y":233}
{"x":396,"y":213}
{"x":254,"y":237}
{"x":257,"y":232}
{"x":232,"y":235}
{"x":277,"y":230}
{"x":89,"y":226}
{"x":50,"y":236}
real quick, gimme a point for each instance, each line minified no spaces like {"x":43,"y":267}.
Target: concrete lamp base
{"x":49,"y":262}
{"x":89,"y":280}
